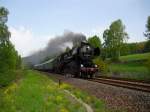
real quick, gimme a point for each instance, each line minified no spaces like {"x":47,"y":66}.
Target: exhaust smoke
{"x":55,"y":47}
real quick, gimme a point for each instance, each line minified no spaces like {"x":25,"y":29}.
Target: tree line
{"x":9,"y":58}
{"x":115,"y":41}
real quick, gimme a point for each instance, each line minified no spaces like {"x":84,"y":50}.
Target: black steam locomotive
{"x":77,"y":62}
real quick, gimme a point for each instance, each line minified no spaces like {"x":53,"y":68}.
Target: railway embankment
{"x":116,"y":98}
{"x":37,"y":92}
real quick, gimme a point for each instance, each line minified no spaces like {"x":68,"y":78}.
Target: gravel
{"x":116,"y":98}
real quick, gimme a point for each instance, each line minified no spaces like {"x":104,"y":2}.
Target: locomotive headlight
{"x":96,"y":66}
{"x":81,"y":65}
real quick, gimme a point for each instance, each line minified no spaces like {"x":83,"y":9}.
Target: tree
{"x":95,"y":41}
{"x":147,"y":46}
{"x":8,"y":55}
{"x":9,"y":58}
{"x":147,"y":34}
{"x":114,"y":37}
{"x":106,"y":44}
{"x":4,"y":33}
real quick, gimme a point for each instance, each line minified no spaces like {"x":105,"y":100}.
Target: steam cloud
{"x":56,"y":46}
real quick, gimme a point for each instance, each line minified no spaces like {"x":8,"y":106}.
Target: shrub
{"x":102,"y":66}
{"x":148,"y":65}
{"x":9,"y":76}
{"x":6,"y":78}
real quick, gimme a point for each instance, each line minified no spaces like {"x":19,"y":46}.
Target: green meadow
{"x":131,"y":66}
{"x":134,"y":57}
{"x":35,"y":92}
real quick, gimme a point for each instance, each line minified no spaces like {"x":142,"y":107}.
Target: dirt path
{"x":88,"y":107}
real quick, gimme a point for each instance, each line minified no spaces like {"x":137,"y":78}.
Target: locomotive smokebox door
{"x":96,"y":51}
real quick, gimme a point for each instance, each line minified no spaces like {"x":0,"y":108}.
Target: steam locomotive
{"x":77,"y":62}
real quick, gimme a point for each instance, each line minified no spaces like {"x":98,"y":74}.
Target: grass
{"x":133,"y":57}
{"x":131,"y":71}
{"x":96,"y":104}
{"x":37,"y":93}
{"x":132,"y":67}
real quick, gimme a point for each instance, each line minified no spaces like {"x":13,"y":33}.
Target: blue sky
{"x":41,"y":20}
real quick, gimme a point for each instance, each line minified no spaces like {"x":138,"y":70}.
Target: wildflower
{"x":48,"y":87}
{"x":65,"y":86}
{"x":58,"y":98}
{"x":88,"y":99}
{"x":6,"y":91}
{"x":64,"y":110}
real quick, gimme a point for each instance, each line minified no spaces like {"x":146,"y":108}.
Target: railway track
{"x":140,"y":86}
{"x":125,"y":83}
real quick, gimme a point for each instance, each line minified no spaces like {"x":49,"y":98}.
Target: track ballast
{"x":135,"y":85}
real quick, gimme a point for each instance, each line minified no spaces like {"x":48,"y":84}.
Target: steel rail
{"x":145,"y":87}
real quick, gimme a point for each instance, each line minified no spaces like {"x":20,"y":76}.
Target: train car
{"x":77,"y":62}
{"x":46,"y":66}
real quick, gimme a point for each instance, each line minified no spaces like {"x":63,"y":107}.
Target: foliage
{"x":19,"y":62}
{"x":114,"y":37}
{"x":136,"y":47}
{"x":9,"y":76}
{"x":9,"y":58}
{"x":103,"y":53}
{"x":6,"y":78}
{"x":147,"y":46}
{"x":128,"y":49}
{"x":4,"y":33}
{"x":148,"y":64}
{"x":102,"y":66}
{"x":148,"y":24}
{"x":147,"y":33}
{"x":95,"y":41}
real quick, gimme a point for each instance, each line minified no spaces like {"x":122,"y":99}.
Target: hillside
{"x":134,"y":57}
{"x":131,"y":66}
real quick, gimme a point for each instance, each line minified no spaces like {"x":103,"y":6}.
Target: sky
{"x":33,"y":23}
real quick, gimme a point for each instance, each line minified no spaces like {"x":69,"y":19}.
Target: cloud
{"x":25,"y":40}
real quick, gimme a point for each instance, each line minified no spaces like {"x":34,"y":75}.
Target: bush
{"x":9,"y":76}
{"x":6,"y":78}
{"x":102,"y":66}
{"x":147,"y":46}
{"x":148,"y":65}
